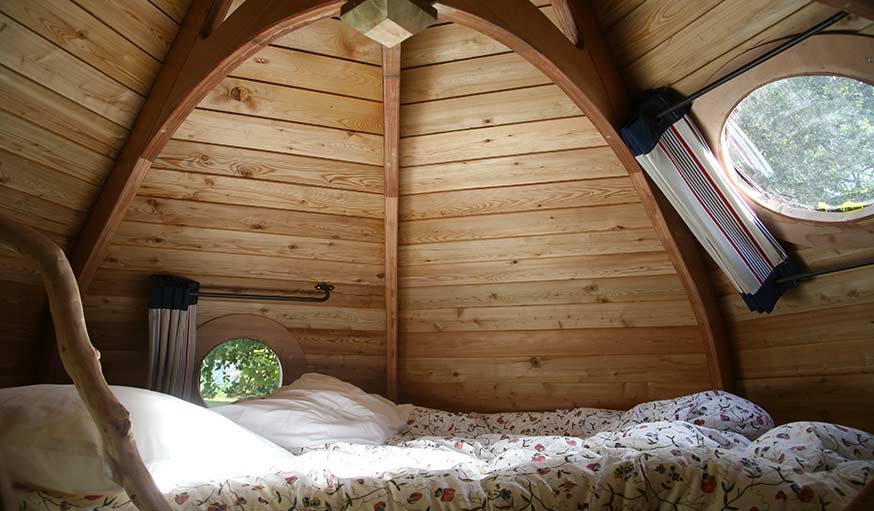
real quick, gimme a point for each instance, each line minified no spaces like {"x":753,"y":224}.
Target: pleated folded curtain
{"x":674,"y":154}
{"x":172,"y":335}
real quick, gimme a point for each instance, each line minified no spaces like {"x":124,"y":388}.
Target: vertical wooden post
{"x":391,"y":94}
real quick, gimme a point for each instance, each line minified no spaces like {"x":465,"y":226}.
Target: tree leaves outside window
{"x":238,"y":369}
{"x":807,"y":142}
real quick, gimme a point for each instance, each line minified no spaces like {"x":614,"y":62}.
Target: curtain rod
{"x":746,"y":67}
{"x":324,"y":287}
{"x":825,"y":271}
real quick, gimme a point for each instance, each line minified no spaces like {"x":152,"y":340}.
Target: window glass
{"x":238,"y":369}
{"x":806,"y":142}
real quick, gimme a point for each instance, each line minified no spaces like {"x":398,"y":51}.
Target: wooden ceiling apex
{"x":389,"y":22}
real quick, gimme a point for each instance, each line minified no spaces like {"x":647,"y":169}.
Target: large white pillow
{"x":48,"y":440}
{"x":317,"y":409}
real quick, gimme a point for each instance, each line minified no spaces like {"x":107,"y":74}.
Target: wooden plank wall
{"x":73,"y":74}
{"x":812,"y":359}
{"x":530,"y":276}
{"x":272,"y":184}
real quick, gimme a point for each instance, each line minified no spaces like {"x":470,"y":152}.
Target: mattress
{"x":707,"y":451}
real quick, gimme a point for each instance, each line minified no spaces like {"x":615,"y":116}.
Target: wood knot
{"x":239,"y":93}
{"x":256,"y":227}
{"x":535,"y":362}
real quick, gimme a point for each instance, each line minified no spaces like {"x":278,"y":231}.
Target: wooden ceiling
{"x":530,"y":275}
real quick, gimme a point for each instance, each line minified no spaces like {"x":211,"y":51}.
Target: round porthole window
{"x":238,"y":369}
{"x":804,"y":146}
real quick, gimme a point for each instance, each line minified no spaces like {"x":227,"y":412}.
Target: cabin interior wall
{"x":530,"y":276}
{"x":73,"y":76}
{"x":811,"y":359}
{"x":272,"y":184}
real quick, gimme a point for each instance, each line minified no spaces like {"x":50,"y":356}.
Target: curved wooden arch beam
{"x":587,"y":75}
{"x":194,"y":66}
{"x":590,"y":79}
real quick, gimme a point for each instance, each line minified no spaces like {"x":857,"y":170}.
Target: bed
{"x":711,"y":450}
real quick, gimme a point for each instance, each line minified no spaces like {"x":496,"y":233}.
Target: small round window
{"x":806,"y":143}
{"x":238,"y":369}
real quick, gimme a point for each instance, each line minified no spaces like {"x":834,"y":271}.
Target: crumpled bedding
{"x":707,"y":451}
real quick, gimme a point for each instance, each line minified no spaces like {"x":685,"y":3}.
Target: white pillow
{"x":317,"y":409}
{"x":48,"y":440}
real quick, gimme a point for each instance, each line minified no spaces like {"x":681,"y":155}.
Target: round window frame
{"x":831,"y":54}
{"x":237,"y":339}
{"x":257,"y":328}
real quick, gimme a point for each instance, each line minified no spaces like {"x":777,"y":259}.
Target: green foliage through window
{"x":807,"y":141}
{"x":238,"y":369}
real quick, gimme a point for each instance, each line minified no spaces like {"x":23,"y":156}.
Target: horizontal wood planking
{"x":314,"y":72}
{"x":254,"y":219}
{"x":848,"y":323}
{"x":724,"y":26}
{"x":44,"y":147}
{"x":532,"y":270}
{"x":38,"y":105}
{"x":842,"y":289}
{"x":553,"y":343}
{"x":175,"y":9}
{"x":526,"y":223}
{"x":281,"y":136}
{"x":549,"y":317}
{"x":283,"y":103}
{"x":32,"y":178}
{"x":200,"y":157}
{"x":39,"y":213}
{"x":534,"y":137}
{"x":490,"y":201}
{"x":795,"y":23}
{"x":31,"y":56}
{"x":483,"y":110}
{"x":654,"y":22}
{"x":609,"y":12}
{"x":141,"y":22}
{"x":531,"y":247}
{"x":313,"y":317}
{"x":842,"y":399}
{"x":123,"y":311}
{"x":250,"y":192}
{"x":815,"y":359}
{"x":556,"y":292}
{"x":502,"y":395}
{"x":122,"y":283}
{"x":336,"y":342}
{"x":235,"y":265}
{"x":467,"y":77}
{"x":75,"y":30}
{"x":448,"y":42}
{"x":606,"y":368}
{"x":333,"y":38}
{"x":512,"y":170}
{"x":196,"y":239}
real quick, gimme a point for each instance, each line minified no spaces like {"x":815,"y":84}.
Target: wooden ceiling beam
{"x":587,"y":75}
{"x":590,"y":78}
{"x":391,"y":93}
{"x":863,"y":8}
{"x":564,"y":13}
{"x":216,"y":16}
{"x":193,"y":67}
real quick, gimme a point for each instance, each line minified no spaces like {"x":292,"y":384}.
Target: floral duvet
{"x":708,"y":451}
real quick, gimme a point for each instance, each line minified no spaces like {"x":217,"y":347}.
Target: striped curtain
{"x":172,"y":335}
{"x":677,"y":158}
